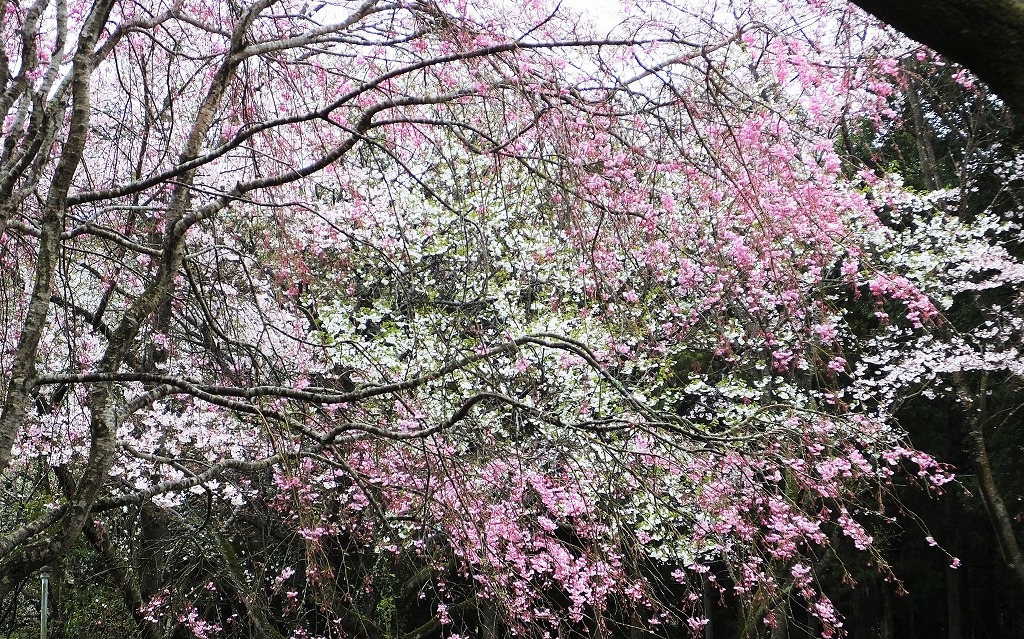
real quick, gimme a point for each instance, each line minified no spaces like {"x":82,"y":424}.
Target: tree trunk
{"x":974,"y":406}
{"x":709,"y":629}
{"x":994,"y":505}
{"x":922,"y":136}
{"x":888,"y":613}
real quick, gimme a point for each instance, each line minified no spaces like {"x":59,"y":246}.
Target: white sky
{"x":604,"y":14}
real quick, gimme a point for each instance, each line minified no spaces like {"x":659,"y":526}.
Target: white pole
{"x":44,"y":603}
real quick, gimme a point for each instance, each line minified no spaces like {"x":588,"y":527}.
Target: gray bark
{"x":998,"y":514}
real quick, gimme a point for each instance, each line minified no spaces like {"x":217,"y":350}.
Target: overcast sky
{"x":603,"y":13}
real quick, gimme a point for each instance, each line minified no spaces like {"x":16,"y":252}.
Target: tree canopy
{"x":986,"y":36}
{"x":448,"y":319}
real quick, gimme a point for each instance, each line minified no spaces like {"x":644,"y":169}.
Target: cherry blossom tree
{"x":315,"y":314}
{"x":972,"y":210}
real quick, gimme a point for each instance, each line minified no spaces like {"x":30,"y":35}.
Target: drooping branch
{"x":986,"y":36}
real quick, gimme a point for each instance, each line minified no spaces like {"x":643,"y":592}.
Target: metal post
{"x":44,"y":603}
